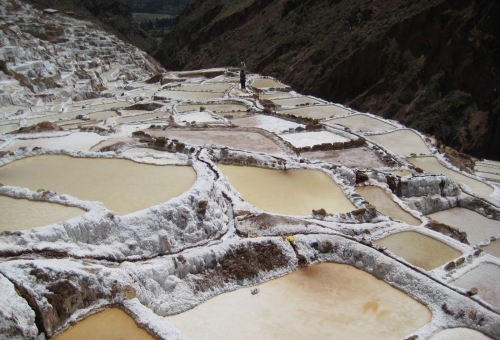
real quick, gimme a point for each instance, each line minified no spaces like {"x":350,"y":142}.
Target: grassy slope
{"x":431,"y":64}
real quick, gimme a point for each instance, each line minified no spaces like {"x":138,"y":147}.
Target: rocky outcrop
{"x":432,"y":65}
{"x":111,"y":15}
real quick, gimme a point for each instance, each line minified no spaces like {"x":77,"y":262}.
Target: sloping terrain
{"x":430,"y":64}
{"x":112,"y":15}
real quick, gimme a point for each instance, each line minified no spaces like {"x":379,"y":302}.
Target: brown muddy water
{"x":432,"y":165}
{"x":325,"y":301}
{"x":292,"y":192}
{"x":384,"y":203}
{"x":402,"y":142}
{"x":22,"y":214}
{"x":477,"y":227}
{"x":121,"y":185}
{"x":110,"y":324}
{"x":485,"y":278}
{"x":420,"y":250}
{"x":362,"y":123}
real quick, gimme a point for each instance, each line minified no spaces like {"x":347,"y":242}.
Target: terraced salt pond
{"x":292,"y":192}
{"x":420,"y":250}
{"x":236,"y":139}
{"x":432,"y":165}
{"x":485,"y":278}
{"x":211,"y":107}
{"x":21,"y":214}
{"x":269,"y":123}
{"x":493,"y":248}
{"x":362,"y":157}
{"x":206,"y":87}
{"x":402,"y":142}
{"x":488,"y":167}
{"x":318,"y":111}
{"x":143,"y":117}
{"x":8,"y":128}
{"x":81,"y":141}
{"x":197,"y":117}
{"x":185,"y":95}
{"x":102,"y":115}
{"x":477,"y":227}
{"x":401,"y":173}
{"x":110,"y":324}
{"x":459,"y":334}
{"x":263,"y":83}
{"x":296,"y":101}
{"x":362,"y":123}
{"x":274,"y":95}
{"x":303,"y":139}
{"x":325,"y":301}
{"x":143,"y":150}
{"x":384,"y":203}
{"x":122,"y":185}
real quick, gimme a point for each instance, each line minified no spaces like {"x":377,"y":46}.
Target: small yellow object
{"x":290,"y":239}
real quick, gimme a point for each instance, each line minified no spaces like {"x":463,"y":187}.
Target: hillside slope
{"x":431,"y":64}
{"x":112,"y":15}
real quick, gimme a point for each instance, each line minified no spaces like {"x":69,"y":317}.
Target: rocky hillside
{"x":112,"y":15}
{"x":433,"y":65}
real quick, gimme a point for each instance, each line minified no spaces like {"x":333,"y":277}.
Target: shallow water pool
{"x":325,"y":301}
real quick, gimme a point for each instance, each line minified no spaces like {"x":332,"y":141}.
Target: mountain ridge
{"x":433,"y":65}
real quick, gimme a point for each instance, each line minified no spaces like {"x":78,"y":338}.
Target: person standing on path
{"x":243,"y":79}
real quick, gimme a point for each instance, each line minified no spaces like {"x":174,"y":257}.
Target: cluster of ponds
{"x":323,"y":301}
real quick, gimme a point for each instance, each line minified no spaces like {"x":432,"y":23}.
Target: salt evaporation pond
{"x":318,"y":111}
{"x":21,"y":214}
{"x":325,"y":301}
{"x":384,"y":203}
{"x":81,"y":141}
{"x":185,"y":95}
{"x":432,"y":165}
{"x":147,"y":116}
{"x":292,"y":192}
{"x":488,"y":176}
{"x":352,"y":158}
{"x":362,"y":123}
{"x":236,"y":139}
{"x":402,"y":142}
{"x":211,"y":107}
{"x":477,"y":227}
{"x":110,"y":324}
{"x":8,"y":128}
{"x":487,"y":167}
{"x":275,"y":95}
{"x":121,"y":185}
{"x":143,"y":150}
{"x":102,"y":115}
{"x":485,"y":278}
{"x":207,"y":87}
{"x":493,"y":248}
{"x":197,"y":117}
{"x":113,"y":105}
{"x":263,"y":83}
{"x":459,"y":334}
{"x":269,"y":123}
{"x":420,"y":250}
{"x":401,"y":173}
{"x":303,"y":139}
{"x":296,"y":101}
